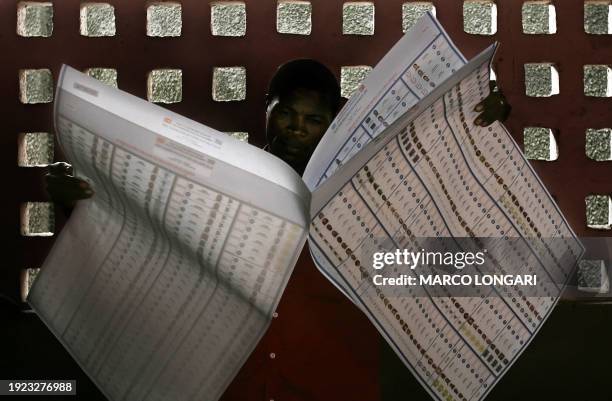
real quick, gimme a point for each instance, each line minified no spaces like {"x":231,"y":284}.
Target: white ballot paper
{"x":384,"y":180}
{"x":161,"y":285}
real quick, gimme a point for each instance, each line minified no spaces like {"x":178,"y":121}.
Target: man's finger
{"x":60,"y":168}
{"x":67,"y":181}
{"x":484,"y":119}
{"x":66,"y":187}
{"x":71,"y":196}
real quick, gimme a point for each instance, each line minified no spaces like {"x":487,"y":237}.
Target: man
{"x":319,"y":345}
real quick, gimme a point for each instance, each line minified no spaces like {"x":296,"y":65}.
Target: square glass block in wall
{"x":358,"y":18}
{"x":541,"y":80}
{"x":294,"y":17}
{"x":480,"y":17}
{"x":351,"y":77}
{"x":598,"y":17}
{"x":592,"y":276}
{"x":413,"y":11}
{"x":540,"y":144}
{"x":228,"y":18}
{"x":27,"y":279}
{"x":34,"y":19}
{"x":597,"y":80}
{"x":241,"y":136}
{"x":35,"y":86}
{"x":165,"y":85}
{"x":599,"y":212}
{"x":598,"y":144}
{"x":164,"y":19}
{"x":107,"y":76}
{"x":97,"y":19}
{"x":37,"y":219}
{"x":539,"y":17}
{"x":229,"y":84}
{"x":35,"y":149}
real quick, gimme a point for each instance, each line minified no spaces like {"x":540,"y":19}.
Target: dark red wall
{"x":196,"y":52}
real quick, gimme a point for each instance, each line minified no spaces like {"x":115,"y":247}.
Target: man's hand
{"x":63,"y":187}
{"x":494,"y":107}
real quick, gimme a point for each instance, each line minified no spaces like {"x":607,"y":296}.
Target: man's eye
{"x":315,"y":120}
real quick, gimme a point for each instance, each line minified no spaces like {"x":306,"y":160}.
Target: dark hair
{"x":305,"y":74}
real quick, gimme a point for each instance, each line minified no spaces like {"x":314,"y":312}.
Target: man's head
{"x":303,"y":99}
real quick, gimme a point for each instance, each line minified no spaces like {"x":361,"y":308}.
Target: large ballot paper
{"x":403,"y":166}
{"x":161,"y":285}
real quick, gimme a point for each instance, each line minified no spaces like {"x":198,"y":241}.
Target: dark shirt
{"x":318,"y":347}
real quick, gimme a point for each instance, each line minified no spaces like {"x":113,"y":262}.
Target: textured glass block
{"x":413,"y":11}
{"x":358,"y":18}
{"x":35,"y":149}
{"x":541,"y":80}
{"x":229,"y":84}
{"x":241,"y":136}
{"x":539,"y":17}
{"x":599,"y":212}
{"x":597,"y":17}
{"x":35,"y":19}
{"x":37,"y":219}
{"x":597,"y":80}
{"x":351,"y":77}
{"x":479,"y":17}
{"x":27,"y":279}
{"x":593,"y":276}
{"x":164,"y":19}
{"x":35,"y":86}
{"x":228,"y":18}
{"x":97,"y":19}
{"x":104,"y":75}
{"x":540,"y":144}
{"x":165,"y":86}
{"x":599,"y":144}
{"x":294,"y":17}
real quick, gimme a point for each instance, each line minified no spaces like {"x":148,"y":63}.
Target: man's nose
{"x":298,"y":123}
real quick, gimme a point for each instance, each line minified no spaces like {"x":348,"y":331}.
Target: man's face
{"x":295,"y":124}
